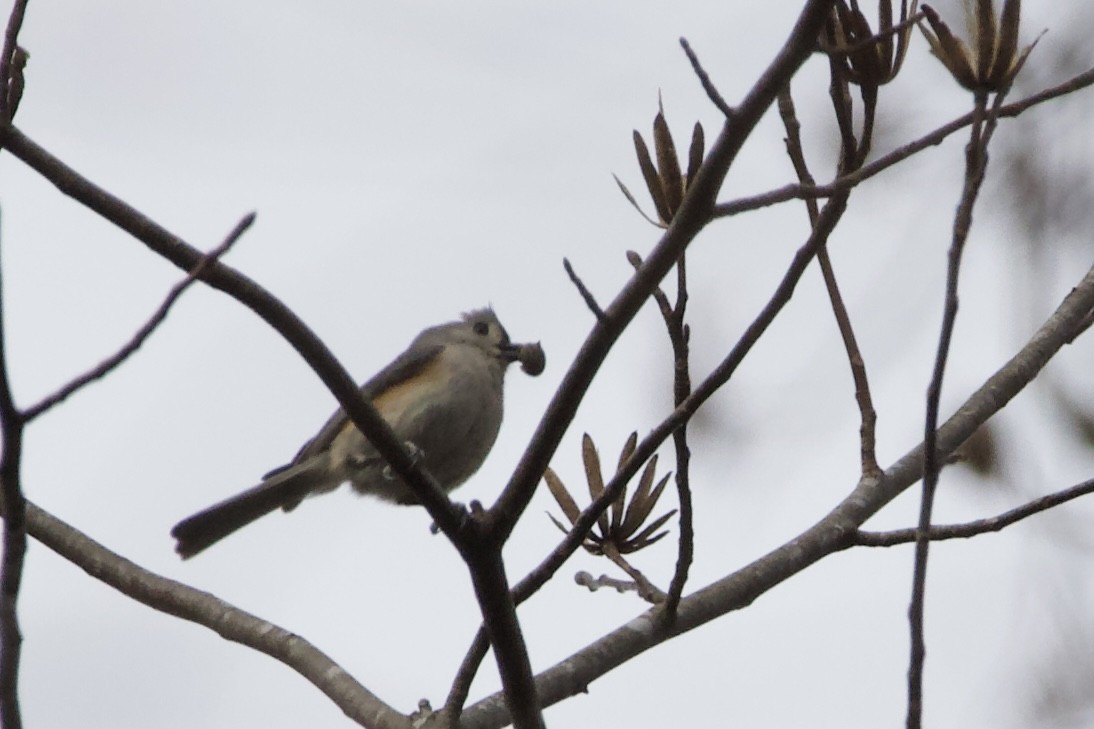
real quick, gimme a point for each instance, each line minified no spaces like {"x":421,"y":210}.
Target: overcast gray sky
{"x":409,"y":161}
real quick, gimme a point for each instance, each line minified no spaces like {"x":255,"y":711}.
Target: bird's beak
{"x":509,"y":352}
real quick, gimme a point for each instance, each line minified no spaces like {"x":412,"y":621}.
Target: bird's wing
{"x":407,"y":365}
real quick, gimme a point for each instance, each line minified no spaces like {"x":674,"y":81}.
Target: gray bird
{"x":442,"y":397}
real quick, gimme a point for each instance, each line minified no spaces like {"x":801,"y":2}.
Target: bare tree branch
{"x":11,"y":44}
{"x":539,"y":576}
{"x":679,"y":336}
{"x":867,"y":414}
{"x":834,"y":532}
{"x":590,"y":300}
{"x":691,"y":218}
{"x":449,"y":517}
{"x":229,"y":622}
{"x":793,"y":192}
{"x":976,"y":165}
{"x":110,"y":363}
{"x":474,"y":538}
{"x":13,"y":507}
{"x":939,"y":533}
{"x":704,"y":78}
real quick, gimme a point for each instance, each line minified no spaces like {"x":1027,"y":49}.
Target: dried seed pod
{"x":532,"y":359}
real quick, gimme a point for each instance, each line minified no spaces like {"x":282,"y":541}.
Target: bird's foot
{"x":416,"y":456}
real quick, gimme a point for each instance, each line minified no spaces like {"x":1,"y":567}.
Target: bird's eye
{"x":481,"y":328}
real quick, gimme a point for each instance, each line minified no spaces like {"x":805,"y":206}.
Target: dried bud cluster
{"x":665,"y":181}
{"x":620,"y":533}
{"x":870,"y":60}
{"x":994,"y":59}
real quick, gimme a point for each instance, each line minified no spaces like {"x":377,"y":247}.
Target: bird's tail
{"x":282,"y":489}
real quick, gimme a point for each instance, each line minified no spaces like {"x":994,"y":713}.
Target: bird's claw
{"x":416,"y":456}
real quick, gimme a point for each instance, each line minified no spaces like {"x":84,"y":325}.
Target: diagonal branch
{"x":939,"y":533}
{"x":449,"y":517}
{"x":793,"y":192}
{"x":689,"y":220}
{"x":231,"y":623}
{"x":110,"y":363}
{"x":831,"y":534}
{"x":704,"y":78}
{"x":721,"y":374}
{"x":586,"y":294}
{"x":867,"y":414}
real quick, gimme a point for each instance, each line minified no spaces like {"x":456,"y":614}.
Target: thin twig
{"x":646,"y":589}
{"x":543,"y":572}
{"x":467,"y":534}
{"x":704,"y":78}
{"x":976,"y":165}
{"x":595,"y":583}
{"x":683,"y":412}
{"x":11,"y":42}
{"x":831,"y":534}
{"x":142,"y":334}
{"x":868,"y":416}
{"x":451,"y":518}
{"x":659,"y":296}
{"x":693,"y":215}
{"x":840,"y":93}
{"x":13,"y":507}
{"x":939,"y":533}
{"x":590,"y":300}
{"x":794,"y":192}
{"x":679,"y":335}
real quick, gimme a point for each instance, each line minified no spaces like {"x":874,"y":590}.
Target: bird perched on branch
{"x":443,"y":399}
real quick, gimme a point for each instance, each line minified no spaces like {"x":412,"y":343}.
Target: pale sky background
{"x":409,"y":161}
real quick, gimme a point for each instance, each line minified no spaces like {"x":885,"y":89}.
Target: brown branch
{"x":592,"y":584}
{"x":704,"y":79}
{"x":590,"y":300}
{"x":543,"y":572}
{"x":503,"y":629}
{"x":831,"y":534}
{"x":229,"y":622}
{"x":939,"y":533}
{"x":448,"y":516}
{"x":679,"y":335}
{"x":691,"y":218}
{"x":13,"y":508}
{"x":683,"y":412}
{"x":867,"y":414}
{"x":642,"y":585}
{"x":470,"y":536}
{"x":110,"y":363}
{"x":659,"y":296}
{"x":794,"y":192}
{"x":976,"y":160}
{"x":11,"y":45}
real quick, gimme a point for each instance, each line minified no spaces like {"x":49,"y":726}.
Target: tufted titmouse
{"x":442,"y":397}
